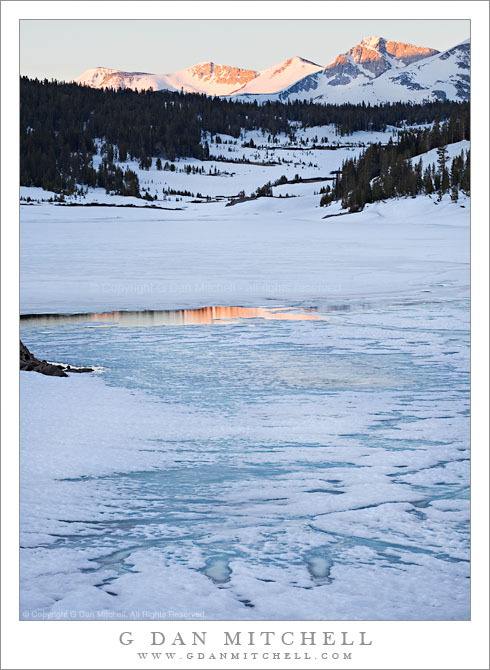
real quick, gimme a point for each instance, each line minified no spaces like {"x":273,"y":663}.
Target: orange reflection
{"x":174,"y":317}
{"x":201,"y":316}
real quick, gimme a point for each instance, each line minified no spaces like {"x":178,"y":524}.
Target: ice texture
{"x":257,"y":469}
{"x":251,"y":468}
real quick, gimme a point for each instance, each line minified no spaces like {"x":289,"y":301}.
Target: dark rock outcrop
{"x":29,"y":362}
{"x":237,"y":201}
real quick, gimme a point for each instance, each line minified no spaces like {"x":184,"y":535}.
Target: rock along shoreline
{"x":28,"y":363}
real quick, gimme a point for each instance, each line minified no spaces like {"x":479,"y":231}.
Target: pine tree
{"x":445,"y":182}
{"x":465,"y":175}
{"x":441,"y":158}
{"x":418,"y":176}
{"x":428,"y":184}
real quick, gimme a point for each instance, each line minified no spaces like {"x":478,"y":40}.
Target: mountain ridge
{"x":376,"y":69}
{"x":206,"y":77}
{"x":439,"y":76}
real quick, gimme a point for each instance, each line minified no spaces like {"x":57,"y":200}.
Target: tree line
{"x":388,"y":171}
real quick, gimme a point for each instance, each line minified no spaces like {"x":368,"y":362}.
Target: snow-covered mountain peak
{"x":221,"y":74}
{"x":377,"y":54}
{"x":103,"y":77}
{"x":371,"y":42}
{"x":95,"y":76}
{"x":378,"y":70}
{"x":295,"y":65}
{"x":300,"y":59}
{"x":280,"y":76}
{"x":363,"y":63}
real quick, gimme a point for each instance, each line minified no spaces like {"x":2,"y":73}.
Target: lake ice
{"x":248,"y":468}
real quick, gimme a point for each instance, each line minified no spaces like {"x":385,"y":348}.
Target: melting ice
{"x":305,"y":463}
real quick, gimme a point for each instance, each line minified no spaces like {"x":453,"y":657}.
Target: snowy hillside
{"x":236,"y":167}
{"x":296,"y":169}
{"x":453,"y":150}
{"x":376,"y":70}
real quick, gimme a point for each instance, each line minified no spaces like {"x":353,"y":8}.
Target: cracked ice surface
{"x":257,"y":469}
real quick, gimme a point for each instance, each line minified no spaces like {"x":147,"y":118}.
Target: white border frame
{"x":432,"y":645}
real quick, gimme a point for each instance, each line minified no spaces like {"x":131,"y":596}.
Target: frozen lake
{"x":305,"y":458}
{"x":82,"y":259}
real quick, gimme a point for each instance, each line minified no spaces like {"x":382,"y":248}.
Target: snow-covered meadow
{"x":262,"y":468}
{"x":270,"y":158}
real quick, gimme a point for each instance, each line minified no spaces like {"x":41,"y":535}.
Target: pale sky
{"x":64,"y":49}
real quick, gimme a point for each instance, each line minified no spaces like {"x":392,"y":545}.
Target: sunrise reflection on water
{"x":177,"y":317}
